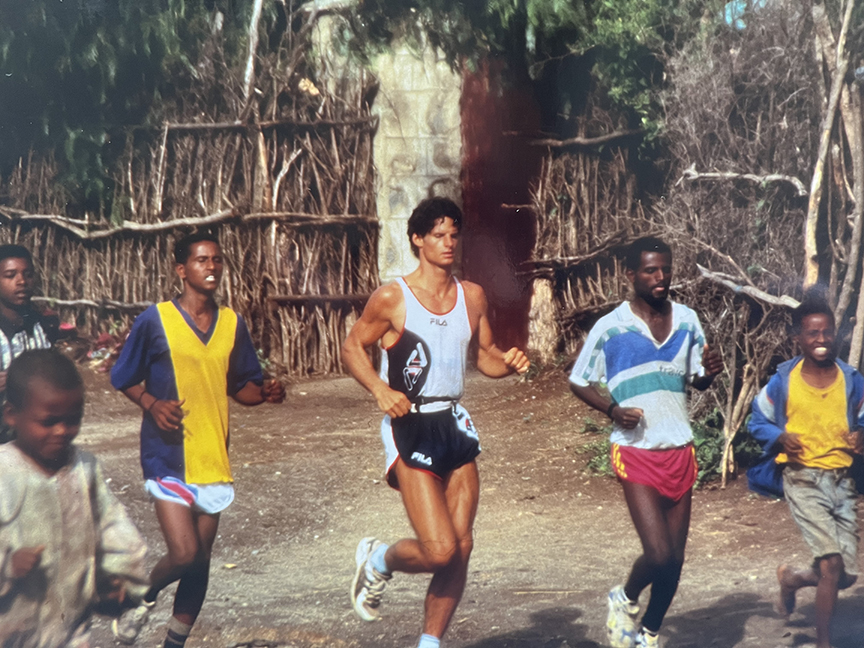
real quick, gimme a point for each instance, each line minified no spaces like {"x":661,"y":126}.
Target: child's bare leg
{"x":830,"y":572}
{"x":791,"y":580}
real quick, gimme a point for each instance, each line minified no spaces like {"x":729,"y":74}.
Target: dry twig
{"x":691,"y":174}
{"x":751,"y":291}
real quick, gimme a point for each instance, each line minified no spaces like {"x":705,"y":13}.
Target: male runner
{"x":425,"y":322}
{"x":646,"y":351}
{"x":182,"y":360}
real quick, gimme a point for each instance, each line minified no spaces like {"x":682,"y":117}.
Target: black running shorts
{"x":436,"y":442}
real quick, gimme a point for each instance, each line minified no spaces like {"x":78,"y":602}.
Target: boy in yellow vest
{"x":809,"y":415}
{"x":182,"y":360}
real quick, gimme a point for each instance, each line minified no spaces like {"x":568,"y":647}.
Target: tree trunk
{"x":739,"y":412}
{"x":249,"y":75}
{"x":852,"y":116}
{"x":858,"y":162}
{"x":544,"y":334}
{"x":811,"y":261}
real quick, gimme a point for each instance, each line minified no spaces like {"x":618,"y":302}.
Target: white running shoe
{"x":621,"y":623}
{"x":365,"y":592}
{"x":646,"y":640}
{"x":127,"y":628}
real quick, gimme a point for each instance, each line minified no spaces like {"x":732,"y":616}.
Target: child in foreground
{"x":66,"y":543}
{"x":810,"y":415}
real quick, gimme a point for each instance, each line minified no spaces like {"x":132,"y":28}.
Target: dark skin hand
{"x":629,"y":417}
{"x":856,"y":440}
{"x":713,"y":364}
{"x":791,"y":443}
{"x":272,"y":391}
{"x":167,"y":414}
{"x":26,"y":560}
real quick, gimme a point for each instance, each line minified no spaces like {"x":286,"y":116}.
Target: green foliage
{"x":598,"y":462}
{"x":708,"y":441}
{"x":598,"y":450}
{"x":626,"y":40}
{"x":591,"y":426}
{"x":264,"y":361}
{"x":74,"y":73}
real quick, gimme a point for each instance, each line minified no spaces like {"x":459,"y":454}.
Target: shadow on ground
{"x":847,"y":627}
{"x":722,"y":623}
{"x":551,"y":628}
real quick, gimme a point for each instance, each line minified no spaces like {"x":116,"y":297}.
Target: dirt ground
{"x":550,"y":539}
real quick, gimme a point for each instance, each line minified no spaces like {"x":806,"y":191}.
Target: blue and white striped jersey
{"x":622,"y":355}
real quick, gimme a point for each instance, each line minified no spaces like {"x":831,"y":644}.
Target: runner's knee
{"x":662,"y":557}
{"x":440,"y":554}
{"x":466,"y":546}
{"x":185,"y":554}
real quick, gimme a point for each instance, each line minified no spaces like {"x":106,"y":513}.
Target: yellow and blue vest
{"x":176,"y":361}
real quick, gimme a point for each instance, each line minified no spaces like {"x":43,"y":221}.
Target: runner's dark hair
{"x":645,"y":244}
{"x":12,"y":251}
{"x":181,"y":247}
{"x":814,"y":302}
{"x":47,"y":364}
{"x":427,"y":213}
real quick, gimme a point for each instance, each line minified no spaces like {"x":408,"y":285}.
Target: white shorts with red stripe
{"x":207,"y":498}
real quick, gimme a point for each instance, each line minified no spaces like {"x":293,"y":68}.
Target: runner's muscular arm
{"x":491,"y":361}
{"x":374,"y":323}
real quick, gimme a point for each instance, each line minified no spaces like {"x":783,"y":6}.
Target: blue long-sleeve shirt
{"x":768,"y":420}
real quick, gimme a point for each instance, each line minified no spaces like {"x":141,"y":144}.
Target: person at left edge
{"x":22,"y":327}
{"x":182,"y":360}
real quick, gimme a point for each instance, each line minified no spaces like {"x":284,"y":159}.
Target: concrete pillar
{"x":418,"y":147}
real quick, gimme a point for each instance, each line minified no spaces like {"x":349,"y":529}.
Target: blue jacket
{"x":768,"y":422}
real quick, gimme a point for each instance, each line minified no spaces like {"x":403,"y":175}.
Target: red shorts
{"x":671,"y":472}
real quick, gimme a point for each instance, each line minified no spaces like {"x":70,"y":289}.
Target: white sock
{"x":376,"y":561}
{"x":428,"y":641}
{"x":178,"y":633}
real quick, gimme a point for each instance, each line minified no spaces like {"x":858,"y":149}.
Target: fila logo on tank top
{"x":429,"y":358}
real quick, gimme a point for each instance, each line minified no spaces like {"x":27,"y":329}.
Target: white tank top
{"x":427,"y":362}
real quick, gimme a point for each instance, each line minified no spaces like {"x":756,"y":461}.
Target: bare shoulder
{"x":474,"y":294}
{"x":389,"y":294}
{"x":384,"y":301}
